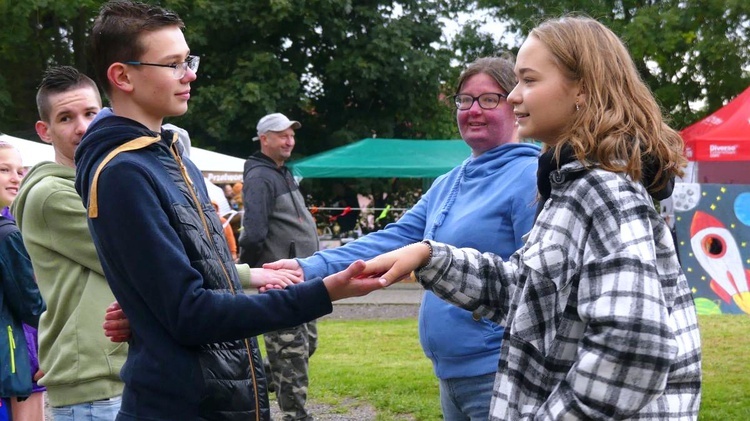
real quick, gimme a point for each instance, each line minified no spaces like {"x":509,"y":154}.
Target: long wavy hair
{"x":620,"y":125}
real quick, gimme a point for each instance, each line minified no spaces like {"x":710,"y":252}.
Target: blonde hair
{"x":620,"y":122}
{"x":7,"y":145}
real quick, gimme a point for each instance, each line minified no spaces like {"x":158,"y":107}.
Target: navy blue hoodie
{"x":161,"y":247}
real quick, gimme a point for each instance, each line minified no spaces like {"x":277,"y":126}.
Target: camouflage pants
{"x":288,"y":353}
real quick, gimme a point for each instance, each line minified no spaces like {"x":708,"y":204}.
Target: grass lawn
{"x":381,"y":362}
{"x":726,"y":367}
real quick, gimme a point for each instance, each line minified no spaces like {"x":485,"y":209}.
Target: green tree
{"x":687,"y":51}
{"x":346,"y":69}
{"x":34,"y":34}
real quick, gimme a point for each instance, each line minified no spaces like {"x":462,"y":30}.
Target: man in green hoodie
{"x":81,"y":366}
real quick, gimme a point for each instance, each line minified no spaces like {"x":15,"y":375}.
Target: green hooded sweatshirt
{"x":80,"y":364}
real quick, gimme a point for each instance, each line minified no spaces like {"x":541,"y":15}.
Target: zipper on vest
{"x":194,"y":195}
{"x":12,"y":345}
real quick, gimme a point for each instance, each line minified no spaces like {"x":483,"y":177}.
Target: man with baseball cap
{"x":275,"y":122}
{"x":277,"y":225}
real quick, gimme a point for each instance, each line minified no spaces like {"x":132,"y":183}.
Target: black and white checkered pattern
{"x":601,"y":320}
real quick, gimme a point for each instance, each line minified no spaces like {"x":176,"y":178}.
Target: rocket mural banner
{"x":713,"y":242}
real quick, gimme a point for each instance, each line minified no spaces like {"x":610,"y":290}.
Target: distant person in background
{"x":237,"y":202}
{"x":346,"y":198}
{"x":486,"y":203}
{"x":20,"y":299}
{"x":228,"y":193}
{"x":277,"y":225}
{"x":228,"y":232}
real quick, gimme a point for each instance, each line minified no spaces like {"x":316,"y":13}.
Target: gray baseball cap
{"x":275,"y":122}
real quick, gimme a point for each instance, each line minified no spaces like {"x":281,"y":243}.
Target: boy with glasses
{"x":192,"y":353}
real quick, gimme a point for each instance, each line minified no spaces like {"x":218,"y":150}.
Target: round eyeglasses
{"x":178,"y":69}
{"x":487,"y":101}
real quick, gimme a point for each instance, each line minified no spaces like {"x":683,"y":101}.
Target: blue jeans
{"x":104,"y":410}
{"x":467,"y":398}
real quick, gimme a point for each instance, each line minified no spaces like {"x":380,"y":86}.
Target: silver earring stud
{"x":578,"y":107}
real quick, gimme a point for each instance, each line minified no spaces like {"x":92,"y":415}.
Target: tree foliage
{"x":346,"y":69}
{"x":34,"y":34}
{"x":688,"y":51}
{"x":352,"y":69}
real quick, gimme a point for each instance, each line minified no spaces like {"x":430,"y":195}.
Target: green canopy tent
{"x":384,"y":158}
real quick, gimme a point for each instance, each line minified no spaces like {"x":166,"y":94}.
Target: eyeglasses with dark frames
{"x":178,"y":69}
{"x":486,"y":101}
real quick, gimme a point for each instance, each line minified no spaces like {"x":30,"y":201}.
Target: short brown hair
{"x":59,"y":79}
{"x":116,"y":34}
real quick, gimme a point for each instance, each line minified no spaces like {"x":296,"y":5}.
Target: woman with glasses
{"x":486,"y":203}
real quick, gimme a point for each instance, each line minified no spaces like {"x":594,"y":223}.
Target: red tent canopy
{"x":723,"y":135}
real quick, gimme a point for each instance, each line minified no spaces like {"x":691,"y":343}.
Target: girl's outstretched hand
{"x":398,"y":264}
{"x":349,"y":282}
{"x":362,"y":278}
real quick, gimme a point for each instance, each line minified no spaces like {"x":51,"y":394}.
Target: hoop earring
{"x":578,"y":107}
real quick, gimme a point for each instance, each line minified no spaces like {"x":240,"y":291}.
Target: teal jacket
{"x":20,"y":302}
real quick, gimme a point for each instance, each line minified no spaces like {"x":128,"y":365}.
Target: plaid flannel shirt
{"x":601,"y":320}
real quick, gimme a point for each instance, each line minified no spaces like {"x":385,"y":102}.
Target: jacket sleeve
{"x":626,"y":353}
{"x":408,"y":229}
{"x":258,"y":199}
{"x":154,"y":281}
{"x":66,"y":230}
{"x":18,"y":285}
{"x":474,"y":281}
{"x":243,"y":270}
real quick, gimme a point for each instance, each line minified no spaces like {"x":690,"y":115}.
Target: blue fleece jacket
{"x":487,"y":204}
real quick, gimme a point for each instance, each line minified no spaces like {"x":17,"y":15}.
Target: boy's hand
{"x":116,"y":324}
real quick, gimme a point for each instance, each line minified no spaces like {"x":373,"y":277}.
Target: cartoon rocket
{"x":717,"y":252}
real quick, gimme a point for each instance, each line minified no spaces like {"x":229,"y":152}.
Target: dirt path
{"x":373,"y":311}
